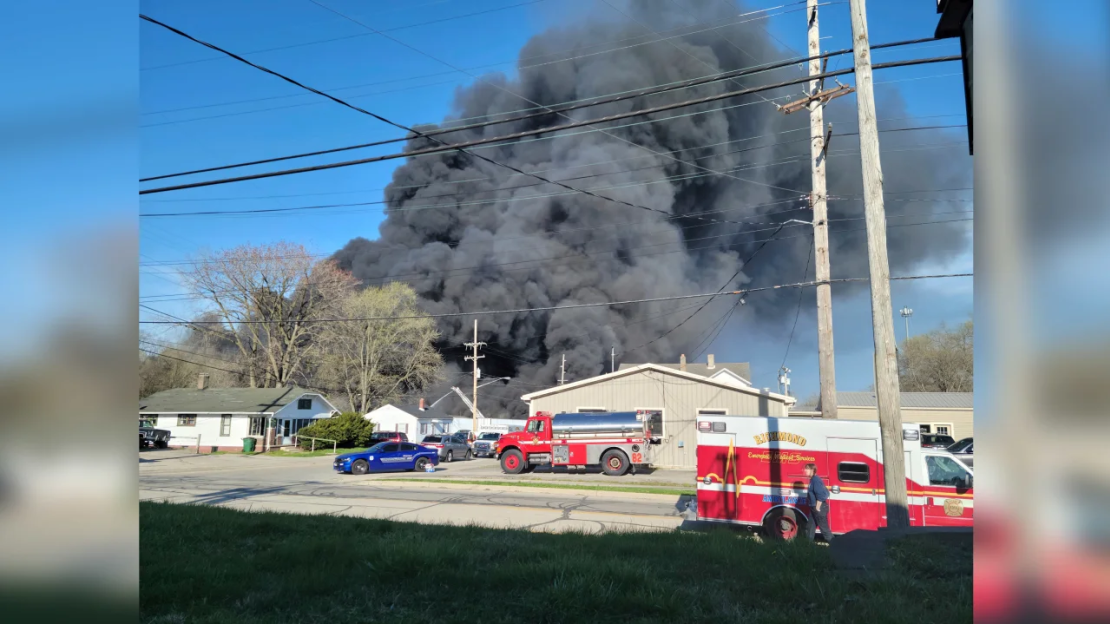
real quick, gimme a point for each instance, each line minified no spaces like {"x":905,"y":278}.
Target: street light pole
{"x":906,"y":314}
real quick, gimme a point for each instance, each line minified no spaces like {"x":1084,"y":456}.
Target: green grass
{"x":678,"y":490}
{"x":207,"y":564}
{"x":317,"y":453}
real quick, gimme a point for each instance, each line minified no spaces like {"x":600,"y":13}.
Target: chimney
{"x":682,"y":362}
{"x":712,"y":362}
{"x":202,"y":381}
{"x":422,"y":405}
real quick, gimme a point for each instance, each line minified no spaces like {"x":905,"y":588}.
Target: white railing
{"x":181,"y":437}
{"x":297,"y":438}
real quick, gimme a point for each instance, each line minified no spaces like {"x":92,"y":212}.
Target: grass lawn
{"x":560,"y":486}
{"x":206,"y":564}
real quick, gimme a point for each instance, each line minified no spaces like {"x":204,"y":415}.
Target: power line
{"x":345,"y":37}
{"x":444,"y":147}
{"x":396,"y":125}
{"x":588,"y":102}
{"x":552,"y":260}
{"x":798,"y":312}
{"x":569,"y":306}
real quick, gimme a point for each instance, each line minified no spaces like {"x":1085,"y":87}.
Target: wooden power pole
{"x":818,"y":150}
{"x":474,"y":397}
{"x":563,"y":370}
{"x":882,"y":315}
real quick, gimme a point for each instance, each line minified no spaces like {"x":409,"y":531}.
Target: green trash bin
{"x":248,"y":445}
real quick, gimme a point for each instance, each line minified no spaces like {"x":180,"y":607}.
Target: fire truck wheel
{"x":783,"y":524}
{"x":614,"y":463}
{"x":512,"y":462}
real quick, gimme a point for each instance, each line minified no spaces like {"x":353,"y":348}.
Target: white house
{"x":222,"y":417}
{"x":419,"y":420}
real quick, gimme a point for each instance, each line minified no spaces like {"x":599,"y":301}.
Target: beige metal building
{"x":679,"y":397}
{"x":948,"y":413}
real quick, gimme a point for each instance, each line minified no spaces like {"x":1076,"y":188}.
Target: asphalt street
{"x":309,"y":485}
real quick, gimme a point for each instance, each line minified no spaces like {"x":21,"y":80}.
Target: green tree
{"x":939,"y":361}
{"x":349,"y":430}
{"x":378,"y":361}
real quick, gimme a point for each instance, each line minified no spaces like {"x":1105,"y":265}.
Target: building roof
{"x":413,"y":409}
{"x":662,"y":368}
{"x":920,"y":400}
{"x":226,"y":400}
{"x":741,"y":369}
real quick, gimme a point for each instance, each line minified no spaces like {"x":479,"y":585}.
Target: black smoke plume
{"x":484,"y":244}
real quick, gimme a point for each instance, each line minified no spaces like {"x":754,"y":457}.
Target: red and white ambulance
{"x":751,"y":470}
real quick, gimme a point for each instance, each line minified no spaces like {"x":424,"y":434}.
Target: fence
{"x":181,"y":437}
{"x":297,"y":439}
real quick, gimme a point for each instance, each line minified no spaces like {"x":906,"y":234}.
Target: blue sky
{"x":171,"y":79}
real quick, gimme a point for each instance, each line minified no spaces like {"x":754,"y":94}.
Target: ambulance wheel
{"x":614,"y":463}
{"x":783,"y":524}
{"x":512,"y":462}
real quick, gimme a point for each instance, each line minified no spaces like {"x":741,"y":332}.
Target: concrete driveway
{"x":309,"y":485}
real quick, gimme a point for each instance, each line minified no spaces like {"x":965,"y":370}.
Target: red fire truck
{"x":751,"y":470}
{"x":617,"y":441}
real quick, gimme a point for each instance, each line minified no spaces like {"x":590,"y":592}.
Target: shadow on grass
{"x":207,"y":564}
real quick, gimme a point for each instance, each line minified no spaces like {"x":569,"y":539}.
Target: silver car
{"x":450,"y":447}
{"x":486,"y":444}
{"x":964,"y":450}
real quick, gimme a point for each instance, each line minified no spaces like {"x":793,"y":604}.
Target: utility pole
{"x":563,"y":370}
{"x":882,"y":315}
{"x":612,"y":359}
{"x":475,"y":357}
{"x":818,"y":150}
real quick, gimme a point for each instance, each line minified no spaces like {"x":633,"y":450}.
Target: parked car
{"x":386,"y":457}
{"x":151,"y":436}
{"x":486,"y":444}
{"x":934,"y":440}
{"x":450,"y":447}
{"x":963,"y":451}
{"x":388,"y":436}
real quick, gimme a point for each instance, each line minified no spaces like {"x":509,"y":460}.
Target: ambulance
{"x":751,"y":471}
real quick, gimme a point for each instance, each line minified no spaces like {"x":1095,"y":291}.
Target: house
{"x":677,"y":396}
{"x":947,"y":413}
{"x":738,"y":372}
{"x":222,"y":417}
{"x":415,"y":420}
{"x":420,"y":419}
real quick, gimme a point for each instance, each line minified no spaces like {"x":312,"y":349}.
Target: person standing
{"x":818,"y":497}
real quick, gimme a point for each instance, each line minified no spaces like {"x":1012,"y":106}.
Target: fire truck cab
{"x":751,"y":471}
{"x":617,"y":441}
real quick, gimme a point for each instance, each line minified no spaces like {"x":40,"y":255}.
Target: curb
{"x":430,"y":483}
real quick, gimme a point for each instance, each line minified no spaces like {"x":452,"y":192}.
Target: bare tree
{"x":377,"y":361}
{"x":939,"y":361}
{"x":269,"y":299}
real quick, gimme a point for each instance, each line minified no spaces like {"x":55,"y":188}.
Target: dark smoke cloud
{"x":626,"y":245}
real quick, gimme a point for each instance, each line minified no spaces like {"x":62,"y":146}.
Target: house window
{"x":186,"y":420}
{"x":853,"y":472}
{"x":592,"y":410}
{"x":654,"y":417}
{"x":304,"y":404}
{"x":225,"y":425}
{"x":423,"y":428}
{"x":285,"y":426}
{"x":945,"y":429}
{"x":926,"y":429}
{"x":258,"y":425}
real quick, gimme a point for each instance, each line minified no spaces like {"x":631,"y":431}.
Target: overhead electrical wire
{"x":798,"y":311}
{"x":461,"y":147}
{"x":572,"y":306}
{"x":588,"y":102}
{"x":605,"y":252}
{"x":397,"y":125}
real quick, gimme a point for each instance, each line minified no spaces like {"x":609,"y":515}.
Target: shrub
{"x":349,"y":430}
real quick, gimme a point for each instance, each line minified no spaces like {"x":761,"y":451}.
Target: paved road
{"x":308,"y":485}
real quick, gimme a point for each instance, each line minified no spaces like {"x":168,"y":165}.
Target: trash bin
{"x":248,"y":445}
